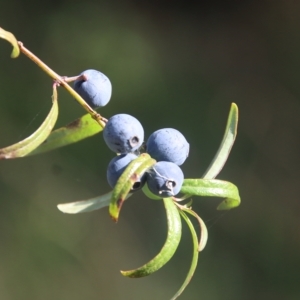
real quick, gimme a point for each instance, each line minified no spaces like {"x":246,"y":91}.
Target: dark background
{"x":172,"y":64}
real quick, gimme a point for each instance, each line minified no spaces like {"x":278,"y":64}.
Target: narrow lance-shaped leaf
{"x":226,"y":144}
{"x":213,"y":188}
{"x":203,"y":229}
{"x":124,"y":184}
{"x":168,"y":249}
{"x":194,"y":259}
{"x":76,"y":131}
{"x":86,"y":205}
{"x":27,"y":145}
{"x":11,"y":39}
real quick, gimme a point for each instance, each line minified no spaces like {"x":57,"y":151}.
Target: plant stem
{"x":60,"y":80}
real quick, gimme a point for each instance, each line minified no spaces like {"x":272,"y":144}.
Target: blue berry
{"x":168,"y":144}
{"x":117,"y":166}
{"x":165,"y":179}
{"x":95,"y":90}
{"x":149,"y":194}
{"x":123,"y":133}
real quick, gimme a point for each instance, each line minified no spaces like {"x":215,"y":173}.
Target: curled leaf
{"x":168,"y":249}
{"x":194,"y":259}
{"x":76,"y":131}
{"x":27,"y":145}
{"x":226,"y":144}
{"x":86,"y":205}
{"x":124,"y":184}
{"x":11,"y":39}
{"x":203,"y":229}
{"x":213,"y":188}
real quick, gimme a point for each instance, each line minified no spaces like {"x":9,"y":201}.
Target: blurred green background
{"x":172,"y":64}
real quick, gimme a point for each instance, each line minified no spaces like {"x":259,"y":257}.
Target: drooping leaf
{"x":27,"y":145}
{"x":124,"y":184}
{"x":86,"y":205}
{"x":226,"y":144}
{"x":213,"y":188}
{"x":203,"y":229}
{"x":11,"y":39}
{"x":168,"y":249}
{"x":194,"y":259}
{"x":76,"y":131}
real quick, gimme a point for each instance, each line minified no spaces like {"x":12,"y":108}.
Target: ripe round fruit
{"x":95,"y":90}
{"x":168,"y":144}
{"x":123,"y":133}
{"x":117,"y":166}
{"x":165,"y":179}
{"x":149,"y":194}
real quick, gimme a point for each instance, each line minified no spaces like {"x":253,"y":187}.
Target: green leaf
{"x":76,"y":131}
{"x":11,"y":39}
{"x":124,"y":184}
{"x":226,"y":144}
{"x":194,"y":259}
{"x":27,"y":145}
{"x":169,"y":247}
{"x":213,"y":188}
{"x":203,"y":229}
{"x":86,"y":205}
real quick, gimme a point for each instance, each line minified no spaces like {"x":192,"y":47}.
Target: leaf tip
{"x":136,"y":273}
{"x":228,"y":204}
{"x":12,"y":40}
{"x":124,"y":273}
{"x":234,"y":105}
{"x":115,"y":219}
{"x":60,"y":207}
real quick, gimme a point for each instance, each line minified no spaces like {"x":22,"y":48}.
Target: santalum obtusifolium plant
{"x":156,"y":171}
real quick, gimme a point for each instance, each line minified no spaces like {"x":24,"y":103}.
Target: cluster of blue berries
{"x":124,"y":135}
